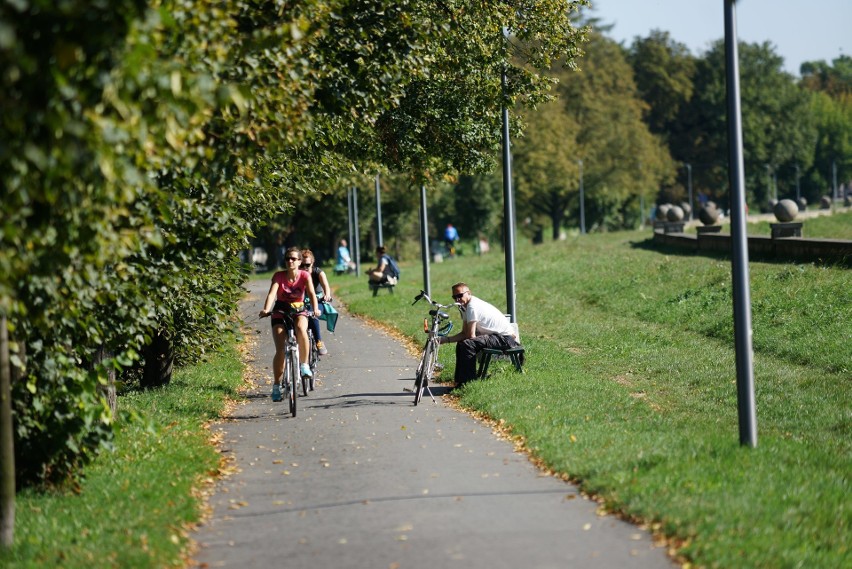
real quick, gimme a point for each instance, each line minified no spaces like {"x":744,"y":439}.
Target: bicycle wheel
{"x":424,"y":371}
{"x":293,"y":372}
{"x":313,"y":358}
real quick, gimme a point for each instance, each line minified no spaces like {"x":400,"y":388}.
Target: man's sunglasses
{"x":459,"y":296}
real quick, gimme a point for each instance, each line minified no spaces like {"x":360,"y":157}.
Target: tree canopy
{"x":149,"y":137}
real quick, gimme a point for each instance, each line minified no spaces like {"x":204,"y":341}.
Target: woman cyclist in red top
{"x":287,"y":296}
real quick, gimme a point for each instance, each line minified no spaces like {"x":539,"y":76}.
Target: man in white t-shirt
{"x":485,"y":326}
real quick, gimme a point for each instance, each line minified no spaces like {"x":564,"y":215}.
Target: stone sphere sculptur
{"x":708,"y":214}
{"x":785,"y":210}
{"x":674,"y":213}
{"x":687,"y":209}
{"x":825,"y":202}
{"x":803,"y":204}
{"x":662,"y":211}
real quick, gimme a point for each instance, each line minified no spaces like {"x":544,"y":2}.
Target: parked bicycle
{"x":439,"y":325}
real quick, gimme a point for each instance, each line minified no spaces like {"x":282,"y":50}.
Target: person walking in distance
{"x":484,"y":326}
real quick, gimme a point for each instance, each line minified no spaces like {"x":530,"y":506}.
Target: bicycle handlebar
{"x":432,"y":302}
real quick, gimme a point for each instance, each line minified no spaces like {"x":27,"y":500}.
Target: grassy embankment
{"x":630,"y":389}
{"x":133,"y":505}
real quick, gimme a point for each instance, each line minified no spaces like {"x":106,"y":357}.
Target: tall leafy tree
{"x":833,"y":117}
{"x":778,"y":131}
{"x":664,"y":71}
{"x":598,"y":120}
{"x":832,"y":110}
{"x":834,"y":79}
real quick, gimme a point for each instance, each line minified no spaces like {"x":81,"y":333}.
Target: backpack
{"x":394,"y":268}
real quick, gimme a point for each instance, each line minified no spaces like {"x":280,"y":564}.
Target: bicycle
{"x":313,"y":354}
{"x":291,"y":360}
{"x":313,"y":360}
{"x":440,"y":325}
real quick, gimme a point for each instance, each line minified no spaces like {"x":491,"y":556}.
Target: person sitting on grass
{"x":484,"y":326}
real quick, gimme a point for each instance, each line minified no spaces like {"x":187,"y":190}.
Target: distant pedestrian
{"x":484,"y":247}
{"x":451,"y":237}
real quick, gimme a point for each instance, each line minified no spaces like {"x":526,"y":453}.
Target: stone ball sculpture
{"x":772,"y":203}
{"x":785,"y":210}
{"x":825,"y":202}
{"x":675,"y":213}
{"x":803,"y":204}
{"x":709,"y":215}
{"x":686,"y":208}
{"x":662,"y":211}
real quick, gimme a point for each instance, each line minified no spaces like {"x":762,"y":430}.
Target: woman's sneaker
{"x":306,"y":370}
{"x":321,"y":348}
{"x":276,"y":393}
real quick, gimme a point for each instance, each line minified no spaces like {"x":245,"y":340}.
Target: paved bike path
{"x":362,"y":478}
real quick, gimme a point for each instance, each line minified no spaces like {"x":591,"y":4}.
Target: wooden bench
{"x":376,"y":286}
{"x":516,"y":355}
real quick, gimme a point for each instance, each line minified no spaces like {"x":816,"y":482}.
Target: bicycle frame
{"x":291,"y":361}
{"x":429,"y":358}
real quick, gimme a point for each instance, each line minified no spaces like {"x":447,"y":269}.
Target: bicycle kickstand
{"x":429,"y":391}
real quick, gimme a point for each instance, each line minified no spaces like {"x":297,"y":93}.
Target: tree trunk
{"x":159,"y":359}
{"x":556,"y":218}
{"x":7,"y":443}
{"x":108,"y":390}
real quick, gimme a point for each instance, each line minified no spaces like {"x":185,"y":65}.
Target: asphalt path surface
{"x":363,"y":478}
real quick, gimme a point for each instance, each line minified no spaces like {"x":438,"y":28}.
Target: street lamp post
{"x":798,"y":188}
{"x":739,"y":240}
{"x":508,"y":201}
{"x":357,"y":243}
{"x":582,"y":201}
{"x":689,"y":188}
{"x":833,"y":180}
{"x":379,"y":212}
{"x":768,"y":182}
{"x":424,"y":242}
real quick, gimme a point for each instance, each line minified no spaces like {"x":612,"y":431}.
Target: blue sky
{"x":800,"y":30}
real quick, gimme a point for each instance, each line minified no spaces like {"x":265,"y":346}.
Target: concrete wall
{"x":782,"y":249}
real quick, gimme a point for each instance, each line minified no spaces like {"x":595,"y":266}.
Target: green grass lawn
{"x":134,"y":504}
{"x":630,"y":389}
